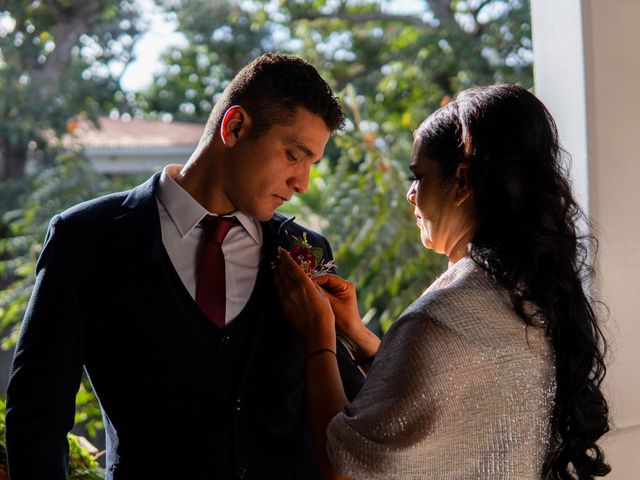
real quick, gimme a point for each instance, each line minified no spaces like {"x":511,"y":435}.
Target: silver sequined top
{"x":460,"y":388}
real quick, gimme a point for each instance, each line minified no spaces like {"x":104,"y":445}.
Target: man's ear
{"x":236,"y":122}
{"x":463,"y":188}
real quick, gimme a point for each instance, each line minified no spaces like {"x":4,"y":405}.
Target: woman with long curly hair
{"x":494,"y":372}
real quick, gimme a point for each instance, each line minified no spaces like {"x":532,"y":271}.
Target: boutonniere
{"x":309,"y":258}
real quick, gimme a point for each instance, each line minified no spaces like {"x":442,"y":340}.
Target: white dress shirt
{"x":183,"y":238}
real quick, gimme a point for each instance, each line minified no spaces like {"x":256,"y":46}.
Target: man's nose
{"x":300,"y":181}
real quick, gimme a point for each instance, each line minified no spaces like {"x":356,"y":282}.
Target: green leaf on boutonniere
{"x":308,"y":257}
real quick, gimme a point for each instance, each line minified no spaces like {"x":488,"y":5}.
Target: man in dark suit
{"x":178,"y":326}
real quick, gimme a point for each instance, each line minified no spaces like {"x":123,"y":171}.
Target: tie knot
{"x":216,"y":228}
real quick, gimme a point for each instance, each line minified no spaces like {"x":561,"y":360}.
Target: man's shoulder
{"x":102,"y":205}
{"x":91,"y":215}
{"x":101,"y":208}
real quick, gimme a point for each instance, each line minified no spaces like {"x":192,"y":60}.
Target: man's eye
{"x":291,"y":156}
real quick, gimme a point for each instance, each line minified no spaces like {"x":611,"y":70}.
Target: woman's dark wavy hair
{"x":527,"y":236}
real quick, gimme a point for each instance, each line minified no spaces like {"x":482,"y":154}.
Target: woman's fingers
{"x":292,"y":278}
{"x":286,"y":271}
{"x":289,"y":267}
{"x":331,"y":282}
{"x":304,"y":304}
{"x":321,"y":290}
{"x":337,"y":287}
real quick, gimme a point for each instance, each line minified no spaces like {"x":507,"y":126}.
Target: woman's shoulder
{"x":462,"y":287}
{"x":468,"y":303}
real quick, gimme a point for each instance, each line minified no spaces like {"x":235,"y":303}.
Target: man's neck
{"x":201,"y":178}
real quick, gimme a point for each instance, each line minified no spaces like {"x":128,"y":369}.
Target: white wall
{"x":587,"y":71}
{"x":133,"y":160}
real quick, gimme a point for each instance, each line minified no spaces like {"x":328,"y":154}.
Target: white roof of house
{"x":133,"y":133}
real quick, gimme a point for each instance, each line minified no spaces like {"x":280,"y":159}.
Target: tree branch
{"x":364,"y":70}
{"x":74,"y":20}
{"x":481,"y":6}
{"x":441,"y":9}
{"x":358,"y":18}
{"x":479,"y":28}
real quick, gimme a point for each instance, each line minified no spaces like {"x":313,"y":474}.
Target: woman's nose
{"x":411,"y":193}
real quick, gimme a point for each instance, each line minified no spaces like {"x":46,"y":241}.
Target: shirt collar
{"x":186,"y":213}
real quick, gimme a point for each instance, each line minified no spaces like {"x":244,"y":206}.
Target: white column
{"x":587,"y":71}
{"x":559,"y":74}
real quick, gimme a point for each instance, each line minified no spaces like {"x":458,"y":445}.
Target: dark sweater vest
{"x":232,"y":346}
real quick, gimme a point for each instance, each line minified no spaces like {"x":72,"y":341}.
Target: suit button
{"x":238,"y":404}
{"x":241,"y":472}
{"x":226,"y":339}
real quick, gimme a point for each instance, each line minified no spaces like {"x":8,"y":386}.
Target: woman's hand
{"x":305,"y":305}
{"x":344,"y":302}
{"x":307,"y":308}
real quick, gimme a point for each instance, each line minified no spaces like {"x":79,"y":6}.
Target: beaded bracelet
{"x":318,"y":352}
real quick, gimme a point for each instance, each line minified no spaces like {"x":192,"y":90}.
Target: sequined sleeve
{"x":460,"y":388}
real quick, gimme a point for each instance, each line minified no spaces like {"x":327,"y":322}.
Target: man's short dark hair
{"x":271,"y":88}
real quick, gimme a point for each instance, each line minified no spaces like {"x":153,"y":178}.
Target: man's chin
{"x":263,"y":216}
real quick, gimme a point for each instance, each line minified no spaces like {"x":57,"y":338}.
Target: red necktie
{"x":211,"y":295}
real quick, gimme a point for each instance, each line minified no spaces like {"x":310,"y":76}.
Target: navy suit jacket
{"x":104,"y":300}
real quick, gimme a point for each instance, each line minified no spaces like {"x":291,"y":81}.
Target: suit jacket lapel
{"x":274,"y":235}
{"x":273,"y":337}
{"x":140,"y":241}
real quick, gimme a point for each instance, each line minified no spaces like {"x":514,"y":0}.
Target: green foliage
{"x":82,"y":463}
{"x":57,"y":62}
{"x":222,"y":37}
{"x":402,"y":65}
{"x":82,"y":460}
